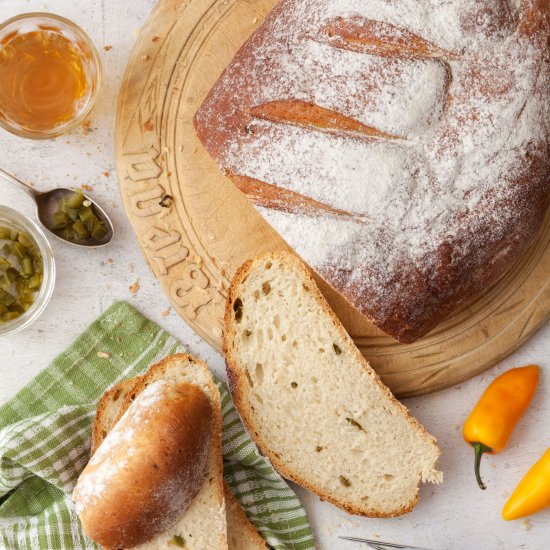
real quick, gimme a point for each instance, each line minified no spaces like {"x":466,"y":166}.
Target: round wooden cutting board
{"x":196,"y":228}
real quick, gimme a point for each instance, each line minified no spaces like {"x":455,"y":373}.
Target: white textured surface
{"x":453,"y":516}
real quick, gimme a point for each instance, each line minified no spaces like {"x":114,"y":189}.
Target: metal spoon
{"x":47,"y":203}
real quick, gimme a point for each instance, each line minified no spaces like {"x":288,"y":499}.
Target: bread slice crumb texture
{"x":313,"y":404}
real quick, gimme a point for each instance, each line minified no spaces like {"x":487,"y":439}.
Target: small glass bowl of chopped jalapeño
{"x":27,"y":271}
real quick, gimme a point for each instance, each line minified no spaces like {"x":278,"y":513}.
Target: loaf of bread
{"x":155,"y":477}
{"x":310,"y":400}
{"x":400,"y":147}
{"x":241,"y":534}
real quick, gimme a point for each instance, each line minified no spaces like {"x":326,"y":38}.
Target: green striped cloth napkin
{"x":45,"y":435}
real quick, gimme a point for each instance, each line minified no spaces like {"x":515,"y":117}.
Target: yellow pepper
{"x":533,"y":492}
{"x":490,"y":424}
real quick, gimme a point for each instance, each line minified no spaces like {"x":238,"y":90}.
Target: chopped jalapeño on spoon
{"x":76,"y":219}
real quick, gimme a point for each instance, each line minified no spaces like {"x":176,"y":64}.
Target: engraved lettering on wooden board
{"x":193,"y":291}
{"x":143,"y":166}
{"x":147,"y":203}
{"x":167,"y":248}
{"x":163,"y":264}
{"x":157,"y":238}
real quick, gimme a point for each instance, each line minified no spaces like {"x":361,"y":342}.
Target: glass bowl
{"x":87,"y":52}
{"x":13,"y":219}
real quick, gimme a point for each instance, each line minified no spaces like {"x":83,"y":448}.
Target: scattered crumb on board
{"x":103,"y":355}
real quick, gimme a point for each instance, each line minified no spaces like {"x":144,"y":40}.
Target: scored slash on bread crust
{"x":241,"y":534}
{"x":310,"y":400}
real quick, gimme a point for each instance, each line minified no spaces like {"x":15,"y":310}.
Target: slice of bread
{"x":310,"y":400}
{"x":203,"y":524}
{"x":241,"y":534}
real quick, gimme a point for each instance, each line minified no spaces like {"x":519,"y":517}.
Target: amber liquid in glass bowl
{"x":49,"y":75}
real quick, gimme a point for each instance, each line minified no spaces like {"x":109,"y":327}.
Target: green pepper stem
{"x":479,"y":449}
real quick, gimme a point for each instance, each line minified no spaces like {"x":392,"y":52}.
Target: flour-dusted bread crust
{"x":241,"y":534}
{"x":313,"y":405}
{"x":203,"y":522}
{"x":400,"y":147}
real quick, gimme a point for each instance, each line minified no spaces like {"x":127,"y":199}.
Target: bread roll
{"x":241,"y":533}
{"x":149,"y":467}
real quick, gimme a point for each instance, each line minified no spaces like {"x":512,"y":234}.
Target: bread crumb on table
{"x":107,"y":48}
{"x":134,"y":287}
{"x":103,"y":355}
{"x":164,"y":313}
{"x":526,"y":524}
{"x":86,"y":127}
